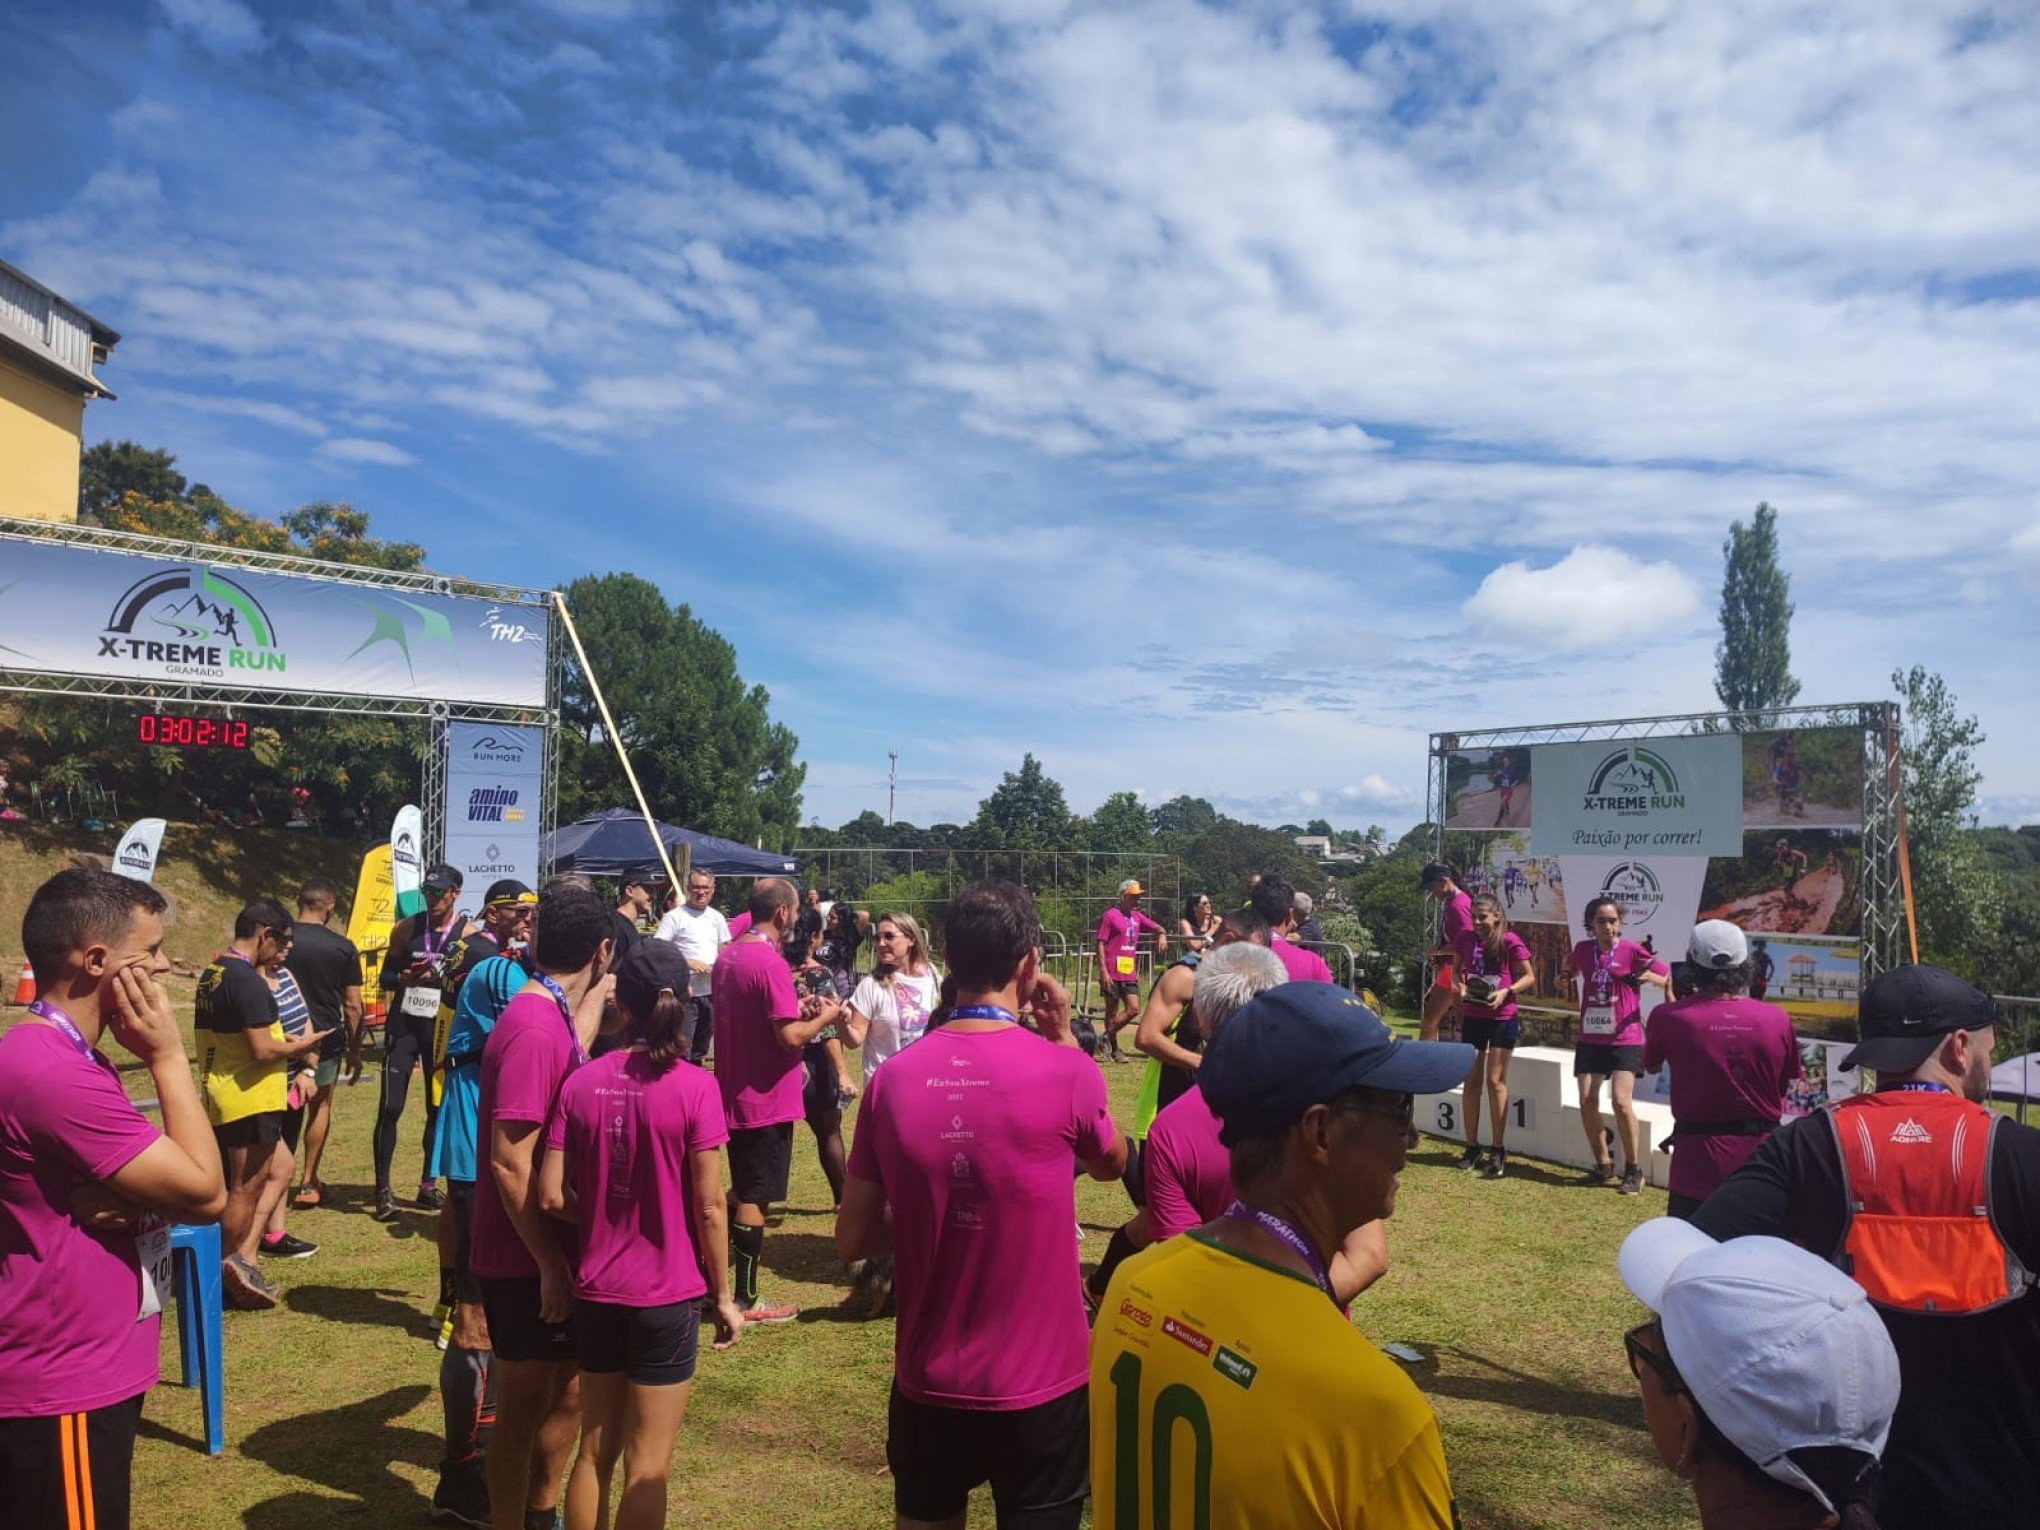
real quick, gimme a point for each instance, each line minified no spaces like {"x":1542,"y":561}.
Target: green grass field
{"x":333,"y":1418}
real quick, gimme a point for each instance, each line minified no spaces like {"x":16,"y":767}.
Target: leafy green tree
{"x":1025,"y":811}
{"x":703,"y":744}
{"x":1220,"y":860}
{"x":1753,"y":660}
{"x":1120,"y":824}
{"x":1956,"y":900}
{"x":1184,"y":815}
{"x":111,"y":470}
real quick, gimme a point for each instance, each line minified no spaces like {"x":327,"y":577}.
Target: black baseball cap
{"x":648,"y":969}
{"x":639,"y":876}
{"x":442,"y":878}
{"x":1301,"y":1044}
{"x":1907,"y":1010}
{"x":1437,"y":871}
{"x":510,"y":890}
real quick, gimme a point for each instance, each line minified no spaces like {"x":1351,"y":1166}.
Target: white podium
{"x":1544,"y":1115}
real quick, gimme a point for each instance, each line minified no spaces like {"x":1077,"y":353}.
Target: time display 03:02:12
{"x":191,"y":732}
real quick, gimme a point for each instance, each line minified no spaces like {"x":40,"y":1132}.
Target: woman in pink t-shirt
{"x":1494,"y":966}
{"x":1611,"y":973}
{"x":634,"y":1160}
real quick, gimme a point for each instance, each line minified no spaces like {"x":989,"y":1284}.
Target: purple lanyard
{"x":984,"y":1012}
{"x":1282,"y":1232}
{"x":62,"y":1022}
{"x":1604,"y":975}
{"x":1913,"y":1086}
{"x":566,"y":1012}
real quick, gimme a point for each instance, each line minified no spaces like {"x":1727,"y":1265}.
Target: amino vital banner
{"x":1646,"y":797}
{"x":407,"y":860}
{"x":71,"y":610}
{"x":139,"y":847}
{"x":494,"y":776}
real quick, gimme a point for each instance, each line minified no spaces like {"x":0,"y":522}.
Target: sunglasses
{"x":1641,"y":1355}
{"x":1403,"y":1112}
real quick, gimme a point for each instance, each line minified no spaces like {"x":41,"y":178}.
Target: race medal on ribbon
{"x":152,"y":1253}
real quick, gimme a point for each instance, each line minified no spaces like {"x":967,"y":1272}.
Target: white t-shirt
{"x":700,"y":934}
{"x":898,"y":1015}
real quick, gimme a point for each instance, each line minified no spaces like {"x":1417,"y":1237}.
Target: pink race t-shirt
{"x":1732,"y":1060}
{"x":68,"y":1297}
{"x":1188,"y":1171}
{"x":1474,"y":961}
{"x":1456,"y":918}
{"x":527,"y":1057}
{"x":1301,"y":965}
{"x":971,"y":1134}
{"x":628,"y":1129}
{"x":1119,"y":942}
{"x":1611,"y":1009}
{"x":760,"y":1080}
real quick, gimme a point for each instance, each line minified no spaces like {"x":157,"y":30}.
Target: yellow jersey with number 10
{"x":1229,"y":1394}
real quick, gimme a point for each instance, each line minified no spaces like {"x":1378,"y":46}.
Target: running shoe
{"x":430,"y":1196}
{"x":1632,"y":1181}
{"x":284,"y":1246}
{"x":247,"y":1287}
{"x":308,"y":1197}
{"x":1601,"y":1174}
{"x":1471,"y":1160}
{"x":770,"y":1312}
{"x":1496,"y":1166}
{"x":385,"y":1204}
{"x":462,"y":1497}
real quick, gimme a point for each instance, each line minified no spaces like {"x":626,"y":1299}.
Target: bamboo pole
{"x":616,"y":743}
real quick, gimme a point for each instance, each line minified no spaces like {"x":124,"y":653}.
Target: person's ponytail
{"x":661,"y":1030}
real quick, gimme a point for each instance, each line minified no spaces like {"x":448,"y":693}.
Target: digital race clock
{"x":191,"y":732}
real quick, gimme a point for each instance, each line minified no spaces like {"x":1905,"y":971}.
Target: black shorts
{"x":1128,"y":988}
{"x":818,"y":1092}
{"x":258,"y":1130}
{"x":516,"y":1331}
{"x":655,"y":1345}
{"x":69,"y":1468}
{"x":460,"y":1205}
{"x":1502,"y":1035}
{"x":293,"y":1129}
{"x":1605,"y":1058}
{"x":1036,"y":1459}
{"x":761,"y":1161}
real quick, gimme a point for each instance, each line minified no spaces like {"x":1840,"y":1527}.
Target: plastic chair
{"x":201,"y":1343}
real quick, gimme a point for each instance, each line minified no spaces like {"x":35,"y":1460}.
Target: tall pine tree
{"x":1753,"y":660}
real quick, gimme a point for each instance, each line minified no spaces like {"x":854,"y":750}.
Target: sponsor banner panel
{"x":73,"y":610}
{"x":1488,"y":789}
{"x":1659,"y":798}
{"x":1803,"y":778}
{"x":1659,"y":897}
{"x":370,"y":916}
{"x":493,"y":779}
{"x":407,"y":859}
{"x":139,"y":848}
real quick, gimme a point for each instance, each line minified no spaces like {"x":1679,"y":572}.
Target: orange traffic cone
{"x":24,"y":986}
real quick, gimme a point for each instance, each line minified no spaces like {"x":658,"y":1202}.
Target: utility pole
{"x":892,"y":786}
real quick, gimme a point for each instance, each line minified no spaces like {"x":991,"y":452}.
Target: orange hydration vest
{"x":1919,"y":1234}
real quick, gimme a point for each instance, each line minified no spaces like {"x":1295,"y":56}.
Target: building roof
{"x":50,"y":337}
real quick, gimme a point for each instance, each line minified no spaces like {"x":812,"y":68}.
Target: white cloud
{"x":1591,"y":596}
{"x":226,"y":27}
{"x":361,"y":449}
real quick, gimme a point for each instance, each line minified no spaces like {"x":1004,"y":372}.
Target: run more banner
{"x":72,"y":610}
{"x":1639,"y":797}
{"x":494,"y":776}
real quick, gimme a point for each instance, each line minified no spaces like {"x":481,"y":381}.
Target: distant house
{"x":48,"y":348}
{"x":1321,"y":849}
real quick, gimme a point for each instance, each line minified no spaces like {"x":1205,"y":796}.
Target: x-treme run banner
{"x":1656,"y":797}
{"x":71,"y":610}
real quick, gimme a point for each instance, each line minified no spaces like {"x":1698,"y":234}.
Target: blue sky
{"x":1207,"y":399}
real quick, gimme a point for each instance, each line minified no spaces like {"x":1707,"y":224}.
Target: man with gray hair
{"x":1308,"y":931}
{"x":1189,"y":1175}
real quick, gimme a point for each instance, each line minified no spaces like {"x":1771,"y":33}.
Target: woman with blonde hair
{"x":890,"y":1007}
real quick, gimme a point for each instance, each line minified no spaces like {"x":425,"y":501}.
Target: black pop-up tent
{"x":617,"y":839}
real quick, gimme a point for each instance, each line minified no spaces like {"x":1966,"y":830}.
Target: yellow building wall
{"x":41,"y":430}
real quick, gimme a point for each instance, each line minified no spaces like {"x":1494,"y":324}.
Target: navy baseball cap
{"x":1905,"y":1011}
{"x":510,"y":891}
{"x":1303,"y":1044}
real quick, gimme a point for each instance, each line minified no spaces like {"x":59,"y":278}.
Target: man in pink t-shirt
{"x":967,"y":1137}
{"x":760,"y":1027}
{"x":1119,"y":935}
{"x":1274,"y":899}
{"x":521,"y":1256}
{"x":1732,"y":1059}
{"x":86,"y":1186}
